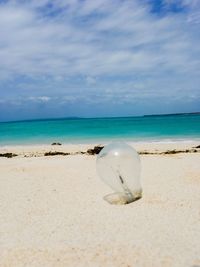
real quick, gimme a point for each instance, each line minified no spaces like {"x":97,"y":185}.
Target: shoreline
{"x":143,"y":148}
{"x":105,"y":141}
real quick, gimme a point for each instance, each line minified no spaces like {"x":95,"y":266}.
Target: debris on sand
{"x":8,"y":155}
{"x":55,"y":153}
{"x":94,"y":151}
{"x":56,"y":144}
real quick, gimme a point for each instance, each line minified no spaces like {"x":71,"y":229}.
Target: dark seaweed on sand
{"x":8,"y":155}
{"x":52,"y":153}
{"x":94,"y":151}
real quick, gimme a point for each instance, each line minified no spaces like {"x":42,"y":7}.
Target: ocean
{"x":92,"y":130}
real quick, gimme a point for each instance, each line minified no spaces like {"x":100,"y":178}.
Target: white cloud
{"x":67,"y":45}
{"x":91,"y":80}
{"x":61,"y":46}
{"x":38,"y":99}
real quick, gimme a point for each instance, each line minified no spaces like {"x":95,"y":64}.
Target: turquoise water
{"x":155,"y":128}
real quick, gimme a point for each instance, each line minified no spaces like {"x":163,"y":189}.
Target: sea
{"x":159,"y":128}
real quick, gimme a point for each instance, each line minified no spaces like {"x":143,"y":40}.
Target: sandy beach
{"x":52,"y":211}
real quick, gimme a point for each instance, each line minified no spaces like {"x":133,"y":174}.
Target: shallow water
{"x":146,"y":128}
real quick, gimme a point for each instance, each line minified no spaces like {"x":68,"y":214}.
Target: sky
{"x":98,"y":58}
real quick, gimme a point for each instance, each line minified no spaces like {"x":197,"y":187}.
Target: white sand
{"x":52,"y":212}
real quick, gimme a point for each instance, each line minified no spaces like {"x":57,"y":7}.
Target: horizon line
{"x":109,"y":117}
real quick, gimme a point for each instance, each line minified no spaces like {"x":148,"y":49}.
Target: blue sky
{"x":92,"y":58}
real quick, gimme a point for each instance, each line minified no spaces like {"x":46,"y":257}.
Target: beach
{"x":75,"y":76}
{"x":52,"y":211}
